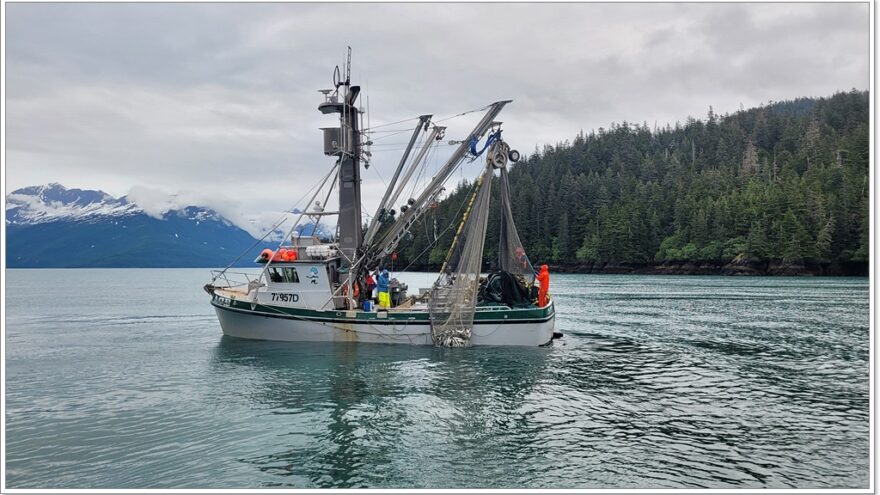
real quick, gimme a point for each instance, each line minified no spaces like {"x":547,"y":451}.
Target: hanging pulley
{"x":497,"y":155}
{"x":499,"y":159}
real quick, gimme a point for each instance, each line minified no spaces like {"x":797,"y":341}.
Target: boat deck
{"x":411,"y":307}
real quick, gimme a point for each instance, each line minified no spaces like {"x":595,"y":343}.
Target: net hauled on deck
{"x":454,"y":295}
{"x":512,"y":256}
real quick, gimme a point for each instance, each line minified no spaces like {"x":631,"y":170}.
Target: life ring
{"x":355,"y":293}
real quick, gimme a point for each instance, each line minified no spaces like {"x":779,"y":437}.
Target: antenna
{"x":348,"y":68}
{"x":369,"y":142}
{"x":336,"y":77}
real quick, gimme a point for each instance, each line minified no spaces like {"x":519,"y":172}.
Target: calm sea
{"x":122,"y":379}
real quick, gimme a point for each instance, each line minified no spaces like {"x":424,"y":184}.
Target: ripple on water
{"x":660,"y":382}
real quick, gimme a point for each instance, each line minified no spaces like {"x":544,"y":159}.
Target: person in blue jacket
{"x":382,"y":283}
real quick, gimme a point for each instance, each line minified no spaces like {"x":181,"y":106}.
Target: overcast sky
{"x":218,"y":102}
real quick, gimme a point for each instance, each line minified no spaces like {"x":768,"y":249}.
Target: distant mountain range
{"x":51,"y":226}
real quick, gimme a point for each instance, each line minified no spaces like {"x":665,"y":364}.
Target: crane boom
{"x":394,"y":235}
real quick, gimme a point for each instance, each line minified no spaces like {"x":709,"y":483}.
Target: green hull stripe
{"x":537,"y":315}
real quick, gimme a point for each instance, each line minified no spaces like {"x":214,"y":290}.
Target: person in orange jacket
{"x":543,"y":279}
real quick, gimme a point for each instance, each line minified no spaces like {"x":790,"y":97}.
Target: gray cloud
{"x":220,"y":98}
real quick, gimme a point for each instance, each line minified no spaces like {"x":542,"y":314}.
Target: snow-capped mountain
{"x":52,"y":226}
{"x":54,"y":202}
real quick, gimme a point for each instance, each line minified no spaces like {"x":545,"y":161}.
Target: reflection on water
{"x":367,"y":402}
{"x":659,"y":382}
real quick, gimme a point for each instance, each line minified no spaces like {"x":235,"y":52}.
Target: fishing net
{"x":512,"y":280}
{"x":454,"y":296}
{"x":512,"y":256}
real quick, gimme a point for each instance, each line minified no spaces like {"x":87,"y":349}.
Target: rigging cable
{"x":290,"y":232}
{"x":417,"y":144}
{"x":390,"y":123}
{"x":464,"y":113}
{"x":324,"y":205}
{"x":278,"y":223}
{"x":435,"y":121}
{"x":422,"y":168}
{"x":393,"y":134}
{"x":454,"y":223}
{"x":376,"y":169}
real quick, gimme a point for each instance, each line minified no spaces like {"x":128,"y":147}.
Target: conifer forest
{"x":778,"y":189}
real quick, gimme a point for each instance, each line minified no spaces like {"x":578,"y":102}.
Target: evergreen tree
{"x":786,"y":181}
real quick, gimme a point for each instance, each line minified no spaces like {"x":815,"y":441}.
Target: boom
{"x":394,"y":235}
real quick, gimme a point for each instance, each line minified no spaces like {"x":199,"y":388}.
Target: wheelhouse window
{"x":290,"y":276}
{"x":284,"y":275}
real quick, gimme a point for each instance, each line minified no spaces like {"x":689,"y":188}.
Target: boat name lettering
{"x":285,"y":297}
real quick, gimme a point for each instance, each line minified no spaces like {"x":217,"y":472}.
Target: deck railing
{"x":251,"y":280}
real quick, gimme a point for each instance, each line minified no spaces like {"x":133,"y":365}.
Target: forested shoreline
{"x":779,"y":189}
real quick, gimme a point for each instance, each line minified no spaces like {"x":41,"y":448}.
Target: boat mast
{"x":345,"y":143}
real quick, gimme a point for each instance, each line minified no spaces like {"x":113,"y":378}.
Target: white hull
{"x":256,"y":326}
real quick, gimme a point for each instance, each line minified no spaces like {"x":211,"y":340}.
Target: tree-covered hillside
{"x":786,"y":182}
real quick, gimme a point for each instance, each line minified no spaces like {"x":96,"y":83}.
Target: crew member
{"x":543,"y":279}
{"x":370,"y":285}
{"x":384,"y":280}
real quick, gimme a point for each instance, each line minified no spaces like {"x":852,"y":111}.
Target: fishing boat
{"x":314,"y":289}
